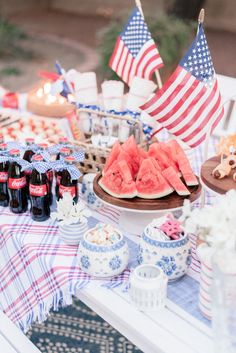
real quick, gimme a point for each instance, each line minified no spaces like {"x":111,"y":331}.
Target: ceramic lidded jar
{"x":100,"y":260}
{"x":172,"y":256}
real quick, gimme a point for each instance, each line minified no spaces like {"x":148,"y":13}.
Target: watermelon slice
{"x":183,"y":163}
{"x":167,"y":150}
{"x":143,"y":154}
{"x":155,"y":163}
{"x":175,"y":181}
{"x":118,"y":181}
{"x":124,"y":156}
{"x":115,"y":151}
{"x":150,"y":182}
{"x":131,"y":148}
{"x":156,"y":150}
{"x":186,"y":170}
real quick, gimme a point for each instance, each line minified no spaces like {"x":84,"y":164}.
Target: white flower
{"x":69,"y":213}
{"x":186,"y":211}
{"x":215,"y":224}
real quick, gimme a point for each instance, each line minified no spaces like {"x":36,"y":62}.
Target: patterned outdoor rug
{"x":77,"y":329}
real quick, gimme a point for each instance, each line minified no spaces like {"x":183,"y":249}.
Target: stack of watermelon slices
{"x":130,"y":171}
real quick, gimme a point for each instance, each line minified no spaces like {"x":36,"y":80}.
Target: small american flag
{"x":189,"y":104}
{"x":135,"y":53}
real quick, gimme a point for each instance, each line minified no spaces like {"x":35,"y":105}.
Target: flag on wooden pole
{"x":135,"y":52}
{"x":189,"y":103}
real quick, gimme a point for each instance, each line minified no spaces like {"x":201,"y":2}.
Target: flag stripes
{"x":186,"y":107}
{"x":135,"y":52}
{"x":146,"y":62}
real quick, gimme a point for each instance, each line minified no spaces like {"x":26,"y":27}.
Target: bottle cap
{"x":63,"y":140}
{"x":29,"y":140}
{"x":14,"y":152}
{"x":43,"y":146}
{"x":69,"y":160}
{"x":65,"y":151}
{"x":37,"y":158}
{"x":3,"y":146}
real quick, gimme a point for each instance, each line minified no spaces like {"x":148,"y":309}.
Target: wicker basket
{"x":95,"y":157}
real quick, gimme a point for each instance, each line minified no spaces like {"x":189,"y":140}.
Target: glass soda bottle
{"x":42,"y":147}
{"x":28,"y":157}
{"x":64,"y":152}
{"x":67,"y":184}
{"x":62,"y":141}
{"x":4,"y":166}
{"x":39,"y":193}
{"x":17,"y":186}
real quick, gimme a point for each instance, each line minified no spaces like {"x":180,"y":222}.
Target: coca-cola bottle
{"x":64,"y":152}
{"x":28,"y":157}
{"x":29,"y":153}
{"x":17,"y":186}
{"x":43,"y":147}
{"x":4,"y":166}
{"x":62,"y":141}
{"x":67,"y":184}
{"x":39,"y":193}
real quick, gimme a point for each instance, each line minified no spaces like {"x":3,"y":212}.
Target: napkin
{"x":112,"y":92}
{"x":139,"y":92}
{"x":86,"y":89}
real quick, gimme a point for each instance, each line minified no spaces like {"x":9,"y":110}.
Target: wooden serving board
{"x":221,"y":186}
{"x":168,"y":202}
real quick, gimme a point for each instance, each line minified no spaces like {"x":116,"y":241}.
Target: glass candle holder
{"x":148,"y":286}
{"x":224,"y":301}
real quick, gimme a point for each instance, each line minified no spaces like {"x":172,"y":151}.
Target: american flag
{"x":189,"y":103}
{"x":135,"y":53}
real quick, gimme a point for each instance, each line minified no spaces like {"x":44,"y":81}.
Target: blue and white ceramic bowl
{"x":173,"y":256}
{"x":71,"y":234}
{"x":87,"y":192}
{"x":103,"y":260}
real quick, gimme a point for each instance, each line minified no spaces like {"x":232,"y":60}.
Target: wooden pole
{"x":157,"y":73}
{"x":201,"y":16}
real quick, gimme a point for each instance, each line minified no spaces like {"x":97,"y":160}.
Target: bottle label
{"x":49,"y":175}
{"x":3,"y":177}
{"x":17,"y":183}
{"x":70,"y":189}
{"x":58,"y":179}
{"x":38,"y":190}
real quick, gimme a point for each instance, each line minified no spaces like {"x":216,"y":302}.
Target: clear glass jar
{"x":224,"y":301}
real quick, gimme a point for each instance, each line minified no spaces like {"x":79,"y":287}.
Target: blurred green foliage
{"x":10,"y":41}
{"x":171,"y":34}
{"x":10,"y":71}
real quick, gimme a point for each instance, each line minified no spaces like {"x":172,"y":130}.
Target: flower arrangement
{"x":70,"y":213}
{"x":214,"y":224}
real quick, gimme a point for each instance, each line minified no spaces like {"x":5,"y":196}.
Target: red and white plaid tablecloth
{"x":38,"y":271}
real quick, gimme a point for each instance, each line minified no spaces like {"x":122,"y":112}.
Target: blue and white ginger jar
{"x":172,"y":256}
{"x":103,"y":260}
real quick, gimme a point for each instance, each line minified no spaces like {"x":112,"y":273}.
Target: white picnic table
{"x":170,"y":330}
{"x":12,"y":340}
{"x":167,"y":331}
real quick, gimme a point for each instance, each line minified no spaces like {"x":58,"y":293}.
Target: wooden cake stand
{"x":137,"y":213}
{"x":219,"y":186}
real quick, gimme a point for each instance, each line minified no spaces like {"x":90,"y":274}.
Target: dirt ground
{"x":74,"y":39}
